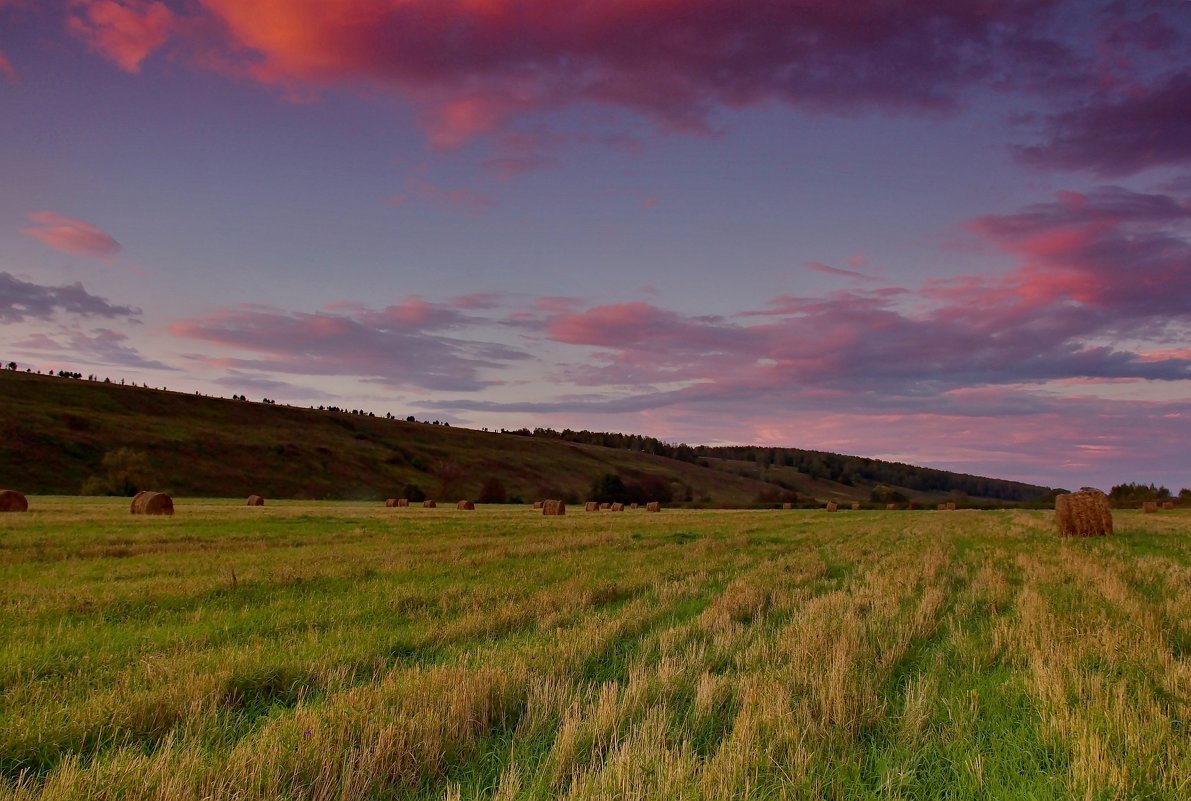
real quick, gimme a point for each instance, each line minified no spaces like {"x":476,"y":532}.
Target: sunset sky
{"x":954,"y":233}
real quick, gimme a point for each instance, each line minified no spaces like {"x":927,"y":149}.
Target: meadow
{"x":337,"y":650}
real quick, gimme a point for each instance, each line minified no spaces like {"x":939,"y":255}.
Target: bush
{"x":493,"y":491}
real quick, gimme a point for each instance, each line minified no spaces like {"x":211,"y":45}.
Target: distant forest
{"x":815,"y":465}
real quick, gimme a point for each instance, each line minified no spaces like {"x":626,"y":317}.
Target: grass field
{"x":340,"y":651}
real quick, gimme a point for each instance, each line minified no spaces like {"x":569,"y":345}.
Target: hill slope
{"x":55,"y":433}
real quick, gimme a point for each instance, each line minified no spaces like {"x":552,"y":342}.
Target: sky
{"x":953,"y":233}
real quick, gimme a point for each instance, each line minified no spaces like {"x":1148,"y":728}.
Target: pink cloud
{"x":470,"y":66}
{"x":827,"y":269}
{"x":125,"y":32}
{"x":71,"y":235}
{"x":419,"y":190}
{"x":7,"y":70}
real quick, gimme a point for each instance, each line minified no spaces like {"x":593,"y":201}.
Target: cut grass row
{"x":360,"y":653}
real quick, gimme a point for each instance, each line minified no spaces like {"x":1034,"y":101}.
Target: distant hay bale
{"x":787,"y":506}
{"x":832,"y":506}
{"x":152,"y":503}
{"x":1149,"y":507}
{"x":402,"y":502}
{"x":256,"y":500}
{"x":950,"y":507}
{"x":391,"y":503}
{"x":591,"y":506}
{"x":653,"y":506}
{"x":605,"y":506}
{"x":466,"y":506}
{"x":1083,"y":514}
{"x":889,"y":507}
{"x":618,"y":507}
{"x":551,"y":508}
{"x":539,"y":505}
{"x":429,"y":504}
{"x":855,"y":507}
{"x":13,"y":501}
{"x":1168,"y":504}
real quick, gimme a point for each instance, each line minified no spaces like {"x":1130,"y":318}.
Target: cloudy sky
{"x":949,"y":232}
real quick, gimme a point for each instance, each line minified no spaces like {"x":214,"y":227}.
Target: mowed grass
{"x":340,"y":651}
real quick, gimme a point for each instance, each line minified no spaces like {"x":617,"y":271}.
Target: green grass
{"x":317,"y":650}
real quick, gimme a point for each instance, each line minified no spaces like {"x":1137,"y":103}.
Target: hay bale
{"x":402,"y":502}
{"x":787,"y":507}
{"x":551,"y":508}
{"x":256,"y":500}
{"x":889,"y":507}
{"x":429,"y":504}
{"x":942,"y":507}
{"x":951,"y":507}
{"x":605,"y":506}
{"x":832,"y":506}
{"x":1083,"y":514}
{"x":1168,"y":504}
{"x":539,"y":505}
{"x":653,"y":506}
{"x":855,"y":507}
{"x":618,"y":507}
{"x":152,"y":503}
{"x":591,"y":506}
{"x":13,"y":501}
{"x":391,"y":503}
{"x":466,"y":506}
{"x":1149,"y":507}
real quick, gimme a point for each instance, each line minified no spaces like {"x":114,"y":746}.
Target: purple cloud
{"x":23,"y":300}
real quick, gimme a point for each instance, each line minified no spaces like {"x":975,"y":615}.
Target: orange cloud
{"x":123,"y":31}
{"x":71,"y":235}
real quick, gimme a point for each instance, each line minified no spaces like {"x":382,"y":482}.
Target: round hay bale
{"x":591,"y":506}
{"x":152,"y":503}
{"x":1149,"y":507}
{"x":402,"y":502}
{"x":855,"y":507}
{"x":617,"y":507}
{"x":429,"y":505}
{"x":605,"y":506}
{"x":1168,"y":504}
{"x":13,"y":501}
{"x":1083,"y":514}
{"x":256,"y":500}
{"x":787,"y":507}
{"x":539,"y":504}
{"x":889,"y":507}
{"x":466,"y":506}
{"x":653,"y":506}
{"x":832,"y":506}
{"x":951,"y":507}
{"x":391,"y":503}
{"x":553,"y":508}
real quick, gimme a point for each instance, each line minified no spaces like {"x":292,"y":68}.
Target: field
{"x":312,"y":650}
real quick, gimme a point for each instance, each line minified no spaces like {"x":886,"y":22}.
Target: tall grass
{"x":338,"y":651}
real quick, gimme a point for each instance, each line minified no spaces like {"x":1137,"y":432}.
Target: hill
{"x":57,"y":434}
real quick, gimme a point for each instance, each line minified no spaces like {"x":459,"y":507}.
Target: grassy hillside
{"x":55,"y":433}
{"x":313,"y":650}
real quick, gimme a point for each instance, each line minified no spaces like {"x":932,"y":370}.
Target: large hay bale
{"x":605,"y":506}
{"x":13,"y":501}
{"x":152,"y":503}
{"x":653,"y":506}
{"x":256,"y":500}
{"x":391,"y":503}
{"x":402,"y":502}
{"x":429,"y":504}
{"x":591,"y":506}
{"x":787,"y":507}
{"x":889,"y":507}
{"x":1168,"y":504}
{"x":832,"y":506}
{"x":950,"y":507}
{"x":855,"y":507}
{"x":1149,"y":507}
{"x":539,"y":504}
{"x":1083,"y":514}
{"x":466,"y":506}
{"x":942,"y":507}
{"x":553,"y":508}
{"x":618,"y":507}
